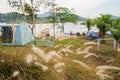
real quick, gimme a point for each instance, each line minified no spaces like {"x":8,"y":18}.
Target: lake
{"x":68,"y":27}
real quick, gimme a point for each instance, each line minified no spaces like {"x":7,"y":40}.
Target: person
{"x":71,"y":33}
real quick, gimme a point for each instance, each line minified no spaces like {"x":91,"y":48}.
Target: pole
{"x":118,"y":47}
{"x":98,"y":48}
{"x":114,"y":44}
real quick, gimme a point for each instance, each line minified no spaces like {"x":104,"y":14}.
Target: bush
{"x":77,"y":34}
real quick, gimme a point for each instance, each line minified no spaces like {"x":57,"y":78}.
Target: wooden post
{"x":114,"y":44}
{"x":98,"y":45}
{"x":118,"y":47}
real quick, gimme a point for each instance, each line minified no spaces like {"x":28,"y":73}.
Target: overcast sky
{"x":85,"y":8}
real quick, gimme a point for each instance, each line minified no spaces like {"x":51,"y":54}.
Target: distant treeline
{"x":15,"y":17}
{"x":11,"y":17}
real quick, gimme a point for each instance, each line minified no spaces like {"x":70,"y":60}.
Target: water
{"x":68,"y":27}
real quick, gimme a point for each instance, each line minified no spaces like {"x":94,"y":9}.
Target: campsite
{"x":59,"y":40}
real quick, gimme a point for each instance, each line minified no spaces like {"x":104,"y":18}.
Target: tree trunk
{"x":63,"y":27}
{"x":54,"y":28}
{"x":100,"y":33}
{"x":88,"y":29}
{"x":33,"y":20}
{"x":32,"y":30}
{"x":103,"y":36}
{"x":53,"y":19}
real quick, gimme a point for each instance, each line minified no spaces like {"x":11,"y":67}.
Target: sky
{"x":84,"y":8}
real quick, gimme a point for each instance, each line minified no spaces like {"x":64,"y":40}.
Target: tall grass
{"x":22,"y":63}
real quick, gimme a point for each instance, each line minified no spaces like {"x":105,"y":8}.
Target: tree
{"x":65,"y":15}
{"x":103,"y":23}
{"x":29,"y":9}
{"x":88,"y":23}
{"x":115,"y":29}
{"x":53,"y":4}
{"x":31,"y":16}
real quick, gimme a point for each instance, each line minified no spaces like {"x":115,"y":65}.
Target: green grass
{"x":76,"y":42}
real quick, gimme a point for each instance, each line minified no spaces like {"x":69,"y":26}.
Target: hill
{"x":14,"y":17}
{"x":115,"y":17}
{"x":11,"y":17}
{"x":47,"y":15}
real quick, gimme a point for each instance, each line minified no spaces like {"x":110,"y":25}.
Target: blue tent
{"x":91,"y":35}
{"x":21,"y":34}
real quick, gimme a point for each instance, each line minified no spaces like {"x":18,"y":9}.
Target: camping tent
{"x":17,"y":35}
{"x":91,"y":35}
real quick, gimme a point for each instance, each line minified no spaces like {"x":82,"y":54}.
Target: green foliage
{"x":103,"y":23}
{"x":30,"y":14}
{"x":115,"y":29}
{"x":75,"y":42}
{"x":88,"y":23}
{"x":77,"y":34}
{"x":107,"y":53}
{"x":65,"y":15}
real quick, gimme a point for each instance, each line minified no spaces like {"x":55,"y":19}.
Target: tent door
{"x":7,"y":34}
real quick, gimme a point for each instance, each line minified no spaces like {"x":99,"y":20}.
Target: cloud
{"x":4,"y":6}
{"x":80,"y":5}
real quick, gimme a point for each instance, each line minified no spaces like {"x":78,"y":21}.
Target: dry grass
{"x":22,"y":63}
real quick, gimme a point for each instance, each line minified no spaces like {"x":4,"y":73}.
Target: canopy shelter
{"x":16,"y":35}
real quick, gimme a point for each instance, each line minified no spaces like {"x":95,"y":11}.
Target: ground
{"x":73,"y":58}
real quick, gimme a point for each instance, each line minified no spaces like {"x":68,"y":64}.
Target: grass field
{"x":68,"y":59}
